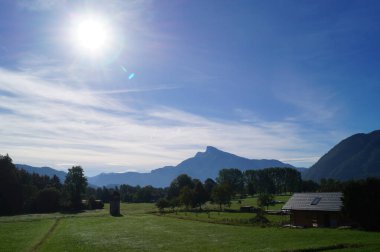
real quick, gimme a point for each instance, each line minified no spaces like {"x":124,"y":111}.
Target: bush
{"x":361,"y":202}
{"x":47,"y":200}
{"x":162,"y":203}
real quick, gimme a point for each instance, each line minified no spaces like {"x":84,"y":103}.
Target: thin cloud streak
{"x":136,"y":90}
{"x":43,"y":123}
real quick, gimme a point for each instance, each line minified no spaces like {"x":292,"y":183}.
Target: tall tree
{"x":75,"y":185}
{"x":250,"y":181}
{"x":55,"y":182}
{"x":331,"y":185}
{"x":47,"y":200}
{"x":221,"y":195}
{"x":10,"y":187}
{"x":309,"y":186}
{"x":233,"y":177}
{"x":209,"y":185}
{"x":200,"y":195}
{"x":186,"y":196}
{"x":361,"y":202}
{"x":178,"y":183}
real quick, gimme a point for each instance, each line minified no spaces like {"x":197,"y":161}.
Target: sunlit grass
{"x":139,"y":230}
{"x":22,"y":235}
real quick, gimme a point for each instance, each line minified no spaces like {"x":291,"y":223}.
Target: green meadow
{"x":139,"y":229}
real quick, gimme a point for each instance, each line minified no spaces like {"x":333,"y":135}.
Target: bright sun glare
{"x":91,"y":35}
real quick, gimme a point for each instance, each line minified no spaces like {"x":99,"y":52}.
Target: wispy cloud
{"x":45,"y":123}
{"x":135,"y":90}
{"x":312,"y":102}
{"x":41,"y":5}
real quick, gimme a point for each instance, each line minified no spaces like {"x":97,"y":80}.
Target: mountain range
{"x":356,"y":157}
{"x":42,"y":171}
{"x":202,"y":166}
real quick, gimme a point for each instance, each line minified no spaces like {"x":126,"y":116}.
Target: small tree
{"x":186,"y":197}
{"x":265,"y":200}
{"x":75,"y":185}
{"x":174,"y":203}
{"x":221,"y":195}
{"x":162,"y":203}
{"x":200,"y":195}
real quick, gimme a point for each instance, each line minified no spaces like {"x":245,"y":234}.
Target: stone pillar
{"x":115,"y":204}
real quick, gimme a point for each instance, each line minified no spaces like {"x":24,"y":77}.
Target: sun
{"x":91,"y":34}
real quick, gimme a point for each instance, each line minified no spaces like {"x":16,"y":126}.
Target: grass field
{"x":211,"y":214}
{"x":139,"y":230}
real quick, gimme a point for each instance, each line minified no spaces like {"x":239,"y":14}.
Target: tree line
{"x":133,"y":194}
{"x":22,"y":192}
{"x":192,"y":193}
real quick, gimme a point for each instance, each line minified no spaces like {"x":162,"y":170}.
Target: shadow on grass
{"x":71,"y":211}
{"x":324,"y":248}
{"x":117,"y":215}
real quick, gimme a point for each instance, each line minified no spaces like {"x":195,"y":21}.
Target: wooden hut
{"x":315,"y":209}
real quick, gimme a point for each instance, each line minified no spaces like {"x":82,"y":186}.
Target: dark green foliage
{"x":186,"y":196}
{"x":128,"y":193}
{"x":222,"y":195}
{"x":11,"y":200}
{"x":356,"y":157}
{"x":47,"y":200}
{"x":103,"y":194}
{"x":75,"y":185}
{"x":309,"y":186}
{"x":55,"y":182}
{"x":162,"y":203}
{"x":148,"y":194}
{"x":250,"y":182}
{"x":178,"y":183}
{"x":265,"y":200}
{"x":234,"y":178}
{"x":272,"y":181}
{"x":200,"y":195}
{"x":361,"y":202}
{"x":22,"y":192}
{"x":94,"y":204}
{"x":174,"y":203}
{"x":209,"y":185}
{"x":331,"y":185}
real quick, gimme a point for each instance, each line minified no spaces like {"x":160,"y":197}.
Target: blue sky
{"x":262,"y":79}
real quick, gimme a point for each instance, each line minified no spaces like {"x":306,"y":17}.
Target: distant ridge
{"x":203,"y":165}
{"x":43,"y":171}
{"x":356,"y":157}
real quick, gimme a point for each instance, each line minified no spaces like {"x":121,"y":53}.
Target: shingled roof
{"x":328,"y":201}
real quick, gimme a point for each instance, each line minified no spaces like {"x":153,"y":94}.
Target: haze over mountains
{"x":43,"y":171}
{"x":356,"y":157}
{"x":202,"y":166}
